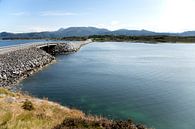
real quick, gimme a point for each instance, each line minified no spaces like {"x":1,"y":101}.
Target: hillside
{"x":72,"y":31}
{"x":87,"y":31}
{"x":21,"y":111}
{"x":140,"y":39}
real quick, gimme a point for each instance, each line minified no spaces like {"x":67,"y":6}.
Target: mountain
{"x":79,"y":31}
{"x":5,"y":34}
{"x":188,"y":33}
{"x":87,"y":31}
{"x":27,"y":35}
{"x":132,"y":32}
{"x":72,"y":31}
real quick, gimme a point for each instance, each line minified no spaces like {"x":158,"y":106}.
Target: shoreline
{"x":19,"y":110}
{"x":19,"y":98}
{"x":19,"y":63}
{"x":34,"y":71}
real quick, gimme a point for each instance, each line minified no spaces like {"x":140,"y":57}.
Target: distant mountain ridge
{"x":88,"y":31}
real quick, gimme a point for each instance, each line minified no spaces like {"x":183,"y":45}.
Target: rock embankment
{"x":17,"y":63}
{"x":63,"y":48}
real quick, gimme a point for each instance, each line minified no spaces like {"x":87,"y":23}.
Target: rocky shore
{"x":18,"y":63}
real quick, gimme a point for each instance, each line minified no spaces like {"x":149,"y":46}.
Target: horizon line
{"x":97,"y":28}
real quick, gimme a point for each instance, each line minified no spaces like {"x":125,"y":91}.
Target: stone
{"x":17,"y":64}
{"x":9,"y":99}
{"x":2,"y":95}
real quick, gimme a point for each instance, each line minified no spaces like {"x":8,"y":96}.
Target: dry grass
{"x":45,"y":115}
{"x":4,"y":91}
{"x":49,"y":115}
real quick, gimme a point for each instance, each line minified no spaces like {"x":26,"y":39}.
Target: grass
{"x":45,"y":114}
{"x":48,"y":115}
{"x":6,"y":92}
{"x":6,"y":117}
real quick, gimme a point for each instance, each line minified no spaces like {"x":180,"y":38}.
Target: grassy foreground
{"x":20,"y":111}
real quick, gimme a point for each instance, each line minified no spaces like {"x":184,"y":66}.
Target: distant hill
{"x":187,"y":33}
{"x":79,"y":31}
{"x":131,"y":32}
{"x":88,"y":31}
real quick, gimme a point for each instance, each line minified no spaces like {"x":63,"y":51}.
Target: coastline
{"x":144,"y":39}
{"x":12,"y":101}
{"x":19,"y":63}
{"x":19,"y":111}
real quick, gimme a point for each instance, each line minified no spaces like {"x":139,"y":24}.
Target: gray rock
{"x":20,"y":62}
{"x":9,"y":99}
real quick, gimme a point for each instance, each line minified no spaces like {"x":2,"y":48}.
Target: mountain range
{"x":88,"y":31}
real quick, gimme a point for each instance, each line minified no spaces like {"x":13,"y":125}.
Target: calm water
{"x":4,"y":43}
{"x":150,"y":83}
{"x":15,"y":42}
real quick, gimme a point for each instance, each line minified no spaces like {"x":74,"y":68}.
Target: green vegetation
{"x":75,"y":38}
{"x":123,"y":38}
{"x":97,"y":124}
{"x":4,"y":91}
{"x":28,"y":105}
{"x":146,"y":39}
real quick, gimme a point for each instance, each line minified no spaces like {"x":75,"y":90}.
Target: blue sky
{"x":49,"y":15}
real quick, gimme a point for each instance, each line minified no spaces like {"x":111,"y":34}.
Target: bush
{"x":28,"y":105}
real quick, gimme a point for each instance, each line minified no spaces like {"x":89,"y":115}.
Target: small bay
{"x":151,"y":84}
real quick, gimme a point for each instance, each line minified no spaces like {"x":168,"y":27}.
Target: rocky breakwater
{"x":18,"y":64}
{"x":64,"y":48}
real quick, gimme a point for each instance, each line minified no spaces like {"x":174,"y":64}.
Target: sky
{"x":50,"y":15}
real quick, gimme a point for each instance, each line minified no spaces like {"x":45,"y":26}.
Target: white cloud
{"x":57,"y":13}
{"x":174,"y":16}
{"x":19,"y":13}
{"x":178,"y":15}
{"x":37,"y":29}
{"x":32,"y":28}
{"x":40,"y":28}
{"x":113,"y":25}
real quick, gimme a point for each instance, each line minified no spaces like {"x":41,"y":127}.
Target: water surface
{"x":4,"y":43}
{"x":150,"y":83}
